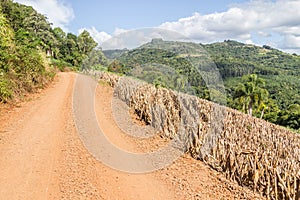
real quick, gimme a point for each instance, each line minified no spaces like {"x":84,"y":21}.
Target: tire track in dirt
{"x":32,"y":138}
{"x":42,"y":157}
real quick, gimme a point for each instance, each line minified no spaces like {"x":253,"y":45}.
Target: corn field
{"x":248,"y":150}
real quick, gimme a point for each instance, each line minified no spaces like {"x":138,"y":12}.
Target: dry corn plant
{"x":251,"y":151}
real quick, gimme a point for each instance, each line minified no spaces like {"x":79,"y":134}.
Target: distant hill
{"x":280,"y":70}
{"x":237,"y":59}
{"x":165,"y":63}
{"x":114,"y":54}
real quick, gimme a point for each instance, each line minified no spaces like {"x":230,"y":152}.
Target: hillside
{"x":175,"y":65}
{"x":280,"y":70}
{"x":187,"y":62}
{"x":113,"y":54}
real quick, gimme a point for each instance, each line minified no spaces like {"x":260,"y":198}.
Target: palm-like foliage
{"x":251,"y":94}
{"x":291,"y":117}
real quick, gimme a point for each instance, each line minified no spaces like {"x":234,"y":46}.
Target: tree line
{"x":30,"y":49}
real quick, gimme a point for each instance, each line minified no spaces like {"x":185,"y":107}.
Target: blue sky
{"x":272,"y":22}
{"x":107,"y":15}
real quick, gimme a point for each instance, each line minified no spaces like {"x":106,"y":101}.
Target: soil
{"x":42,"y":156}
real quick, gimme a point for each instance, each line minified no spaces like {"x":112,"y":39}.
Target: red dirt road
{"x":42,"y":156}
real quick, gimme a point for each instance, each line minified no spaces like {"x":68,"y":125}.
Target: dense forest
{"x":31,"y":50}
{"x":279,"y":72}
{"x":261,"y":81}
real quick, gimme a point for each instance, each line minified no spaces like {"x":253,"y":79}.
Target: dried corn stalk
{"x":251,"y":151}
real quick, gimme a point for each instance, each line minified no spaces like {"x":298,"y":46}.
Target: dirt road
{"x":42,"y":156}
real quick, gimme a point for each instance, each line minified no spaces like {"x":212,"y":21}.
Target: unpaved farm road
{"x":42,"y":156}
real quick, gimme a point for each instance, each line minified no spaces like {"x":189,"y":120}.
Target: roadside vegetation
{"x":31,"y":51}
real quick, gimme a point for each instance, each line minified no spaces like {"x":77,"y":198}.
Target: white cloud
{"x":291,"y":42}
{"x":126,"y":39}
{"x":119,"y":31}
{"x":241,"y":21}
{"x":98,"y":36}
{"x":256,"y":21}
{"x":249,"y":42}
{"x":58,"y":13}
{"x":264,"y":34}
{"x":134,"y":38}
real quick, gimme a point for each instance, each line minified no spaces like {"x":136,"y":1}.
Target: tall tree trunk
{"x":262,"y":113}
{"x":250,"y":108}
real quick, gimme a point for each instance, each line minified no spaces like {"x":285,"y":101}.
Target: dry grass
{"x":251,"y":151}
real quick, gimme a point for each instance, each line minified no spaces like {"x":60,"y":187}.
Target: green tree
{"x":6,"y":51}
{"x":95,"y":60}
{"x":116,"y":66}
{"x":6,"y":43}
{"x":71,"y":51}
{"x":75,"y":49}
{"x":26,"y":21}
{"x":271,"y":111}
{"x":59,"y":47}
{"x":22,"y":67}
{"x":86,"y":43}
{"x":251,"y":94}
{"x":290,"y":117}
